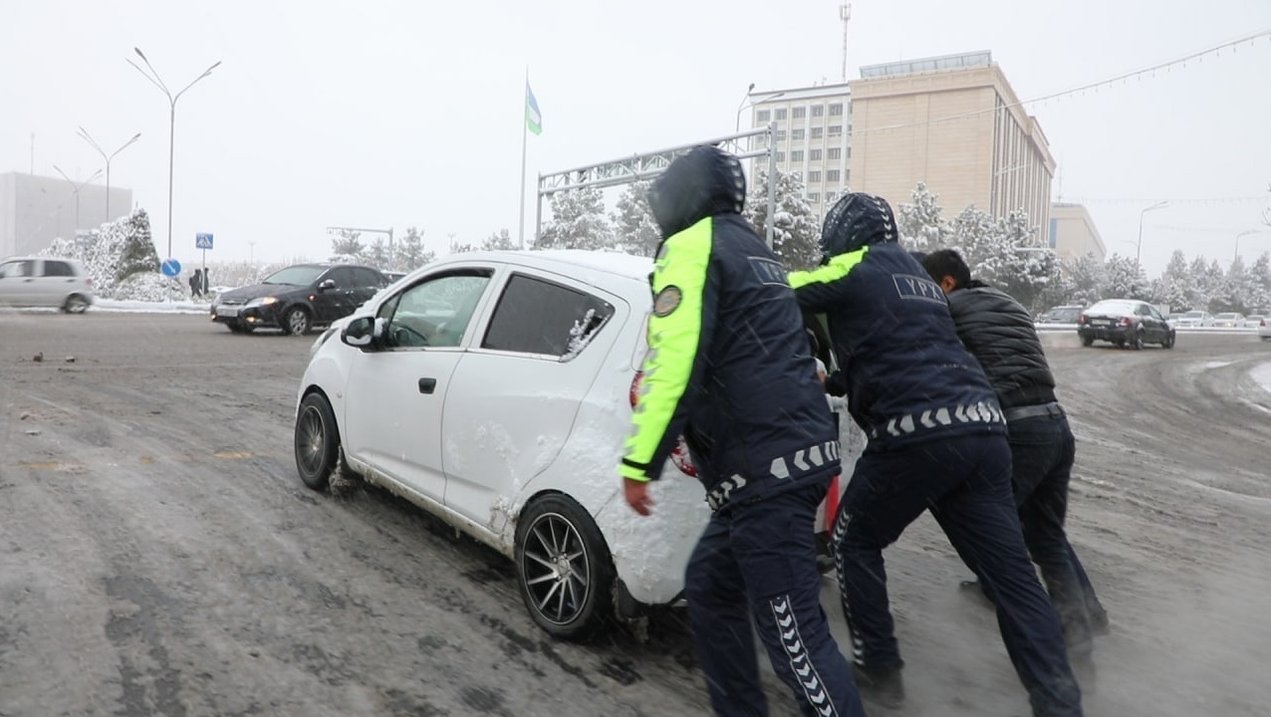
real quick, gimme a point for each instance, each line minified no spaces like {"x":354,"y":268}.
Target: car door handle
{"x":427,"y":385}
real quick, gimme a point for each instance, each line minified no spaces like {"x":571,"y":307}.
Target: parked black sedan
{"x":298,"y":298}
{"x":1126,"y":323}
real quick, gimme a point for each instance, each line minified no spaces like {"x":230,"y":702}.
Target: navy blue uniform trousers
{"x":966,"y":483}
{"x":766,"y":551}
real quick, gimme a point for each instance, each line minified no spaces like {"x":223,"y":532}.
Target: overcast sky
{"x":382,"y":114}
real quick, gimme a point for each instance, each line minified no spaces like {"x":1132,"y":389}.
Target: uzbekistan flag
{"x":533,"y":118}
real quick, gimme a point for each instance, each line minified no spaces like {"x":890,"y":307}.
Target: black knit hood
{"x":705,"y":182}
{"x":856,"y":220}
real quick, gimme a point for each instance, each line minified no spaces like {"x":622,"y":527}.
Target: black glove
{"x":836,"y":384}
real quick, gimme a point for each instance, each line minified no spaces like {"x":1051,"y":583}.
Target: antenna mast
{"x":845,"y":14}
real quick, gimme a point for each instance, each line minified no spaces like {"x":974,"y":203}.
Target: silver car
{"x":45,"y":282}
{"x":1230,"y":320}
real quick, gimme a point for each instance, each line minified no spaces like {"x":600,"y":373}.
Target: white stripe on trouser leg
{"x":840,"y":530}
{"x":800,"y":661}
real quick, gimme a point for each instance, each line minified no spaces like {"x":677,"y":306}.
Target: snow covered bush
{"x":114,"y":253}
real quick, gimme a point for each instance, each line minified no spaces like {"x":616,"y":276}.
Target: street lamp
{"x":745,"y":104}
{"x":154,"y":78}
{"x":742,"y":106}
{"x":93,"y":143}
{"x":75,"y":189}
{"x":1244,"y":233}
{"x":1138,"y":247}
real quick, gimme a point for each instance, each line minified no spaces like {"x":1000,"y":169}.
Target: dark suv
{"x":298,"y":298}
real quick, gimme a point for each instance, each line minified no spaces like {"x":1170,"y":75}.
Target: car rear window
{"x":1113,"y":307}
{"x":57,"y":268}
{"x":539,"y":317}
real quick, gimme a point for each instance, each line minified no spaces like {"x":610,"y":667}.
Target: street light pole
{"x":745,"y":104}
{"x":1138,"y":247}
{"x":83,"y":133}
{"x":742,"y":106}
{"x":75,"y":189}
{"x":154,"y":78}
{"x":1244,"y":233}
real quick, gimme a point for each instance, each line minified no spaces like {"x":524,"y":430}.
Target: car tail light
{"x":89,"y":280}
{"x":679,"y":455}
{"x":1126,"y":321}
{"x":1081,"y":319}
{"x":1262,"y":322}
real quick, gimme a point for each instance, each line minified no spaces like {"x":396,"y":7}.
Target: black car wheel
{"x":75,"y":304}
{"x":296,"y":321}
{"x":1169,"y":340}
{"x":563,"y":567}
{"x":1087,"y":341}
{"x":1136,"y":340}
{"x":317,"y":441}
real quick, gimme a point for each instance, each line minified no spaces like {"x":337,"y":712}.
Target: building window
{"x":779,"y":113}
{"x":849,"y":152}
{"x":818,"y":110}
{"x":814,"y":197}
{"x":796,"y":155}
{"x":836,"y":109}
{"x":814,"y":176}
{"x":831,"y":175}
{"x":814,"y":155}
{"x":781,"y":135}
{"x":781,"y":156}
{"x":798,"y":112}
{"x":761,"y":116}
{"x":834,"y":153}
{"x":835,"y":131}
{"x":796,"y":134}
{"x":817,"y":132}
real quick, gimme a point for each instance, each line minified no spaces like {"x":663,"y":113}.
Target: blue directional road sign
{"x":202,"y":241}
{"x":170,"y":268}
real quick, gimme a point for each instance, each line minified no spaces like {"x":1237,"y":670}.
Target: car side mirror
{"x":327,"y":285}
{"x":361,"y":332}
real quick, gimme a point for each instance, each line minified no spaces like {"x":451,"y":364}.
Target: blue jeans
{"x":1042,"y":450}
{"x":965,"y":482}
{"x":766,"y":552}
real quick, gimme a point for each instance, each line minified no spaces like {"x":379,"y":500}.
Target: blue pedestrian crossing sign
{"x":170,"y":268}
{"x":202,"y":241}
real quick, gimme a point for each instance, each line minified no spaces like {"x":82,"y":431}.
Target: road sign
{"x":202,"y":241}
{"x":170,"y":268}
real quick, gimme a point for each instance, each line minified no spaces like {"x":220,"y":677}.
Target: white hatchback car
{"x":46,"y":282}
{"x":493,"y":389}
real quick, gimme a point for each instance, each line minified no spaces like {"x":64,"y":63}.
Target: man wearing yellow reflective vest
{"x":937,"y":441}
{"x":729,"y":368}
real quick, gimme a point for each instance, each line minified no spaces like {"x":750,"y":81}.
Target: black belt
{"x":1052,"y":409}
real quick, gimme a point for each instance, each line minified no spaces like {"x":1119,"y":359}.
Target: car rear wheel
{"x":317,"y":441}
{"x":296,"y":321}
{"x":1136,"y":341}
{"x":75,"y":304}
{"x":1087,"y":341}
{"x":563,"y":567}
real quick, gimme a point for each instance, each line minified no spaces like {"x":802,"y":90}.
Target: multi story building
{"x":36,"y":210}
{"x":954,"y":123}
{"x":1072,"y":232}
{"x":814,"y":127}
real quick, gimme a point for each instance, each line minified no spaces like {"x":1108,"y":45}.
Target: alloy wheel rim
{"x":311,"y":439}
{"x":297,"y":321}
{"x":556,"y":568}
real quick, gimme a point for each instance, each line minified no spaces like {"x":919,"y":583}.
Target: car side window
{"x":435,"y":313}
{"x":366,"y":278}
{"x":17,"y":269}
{"x":342,"y":276}
{"x":57,"y":268}
{"x":539,"y":317}
{"x":1142,"y":310}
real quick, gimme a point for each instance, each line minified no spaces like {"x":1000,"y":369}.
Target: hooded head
{"x":702,"y":183}
{"x":857,"y":219}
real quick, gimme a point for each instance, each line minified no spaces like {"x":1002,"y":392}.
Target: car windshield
{"x":296,"y":275}
{"x":1113,"y":307}
{"x":1227,"y":316}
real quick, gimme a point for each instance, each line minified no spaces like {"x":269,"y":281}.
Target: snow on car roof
{"x":626,"y":265}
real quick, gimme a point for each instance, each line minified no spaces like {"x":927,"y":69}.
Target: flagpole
{"x":525,"y":103}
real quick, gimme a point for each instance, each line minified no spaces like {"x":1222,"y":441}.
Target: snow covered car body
{"x":492,"y":390}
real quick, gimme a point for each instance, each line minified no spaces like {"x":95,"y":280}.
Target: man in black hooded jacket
{"x":730,"y":369}
{"x":937,"y":441}
{"x":999,"y":332}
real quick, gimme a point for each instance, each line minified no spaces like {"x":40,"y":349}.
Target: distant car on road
{"x":1194,"y":318}
{"x":492,"y":390}
{"x":1060,"y":314}
{"x":44,"y":281}
{"x":298,"y":298}
{"x":1264,"y":330}
{"x":1126,"y":323}
{"x":1230,"y":320}
{"x":1253,"y":321}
